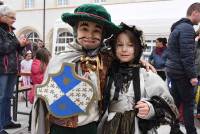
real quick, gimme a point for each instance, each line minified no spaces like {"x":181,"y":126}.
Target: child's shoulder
{"x":145,"y":72}
{"x":148,"y":75}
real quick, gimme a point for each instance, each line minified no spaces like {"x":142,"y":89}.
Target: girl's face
{"x":89,"y":34}
{"x":28,"y":56}
{"x":124,"y":48}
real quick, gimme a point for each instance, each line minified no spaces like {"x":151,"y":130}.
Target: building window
{"x":62,"y":40}
{"x":29,"y":3}
{"x":33,"y":36}
{"x":148,"y":49}
{"x":65,"y":37}
{"x":63,"y":2}
{"x":98,"y":1}
{"x":59,"y":49}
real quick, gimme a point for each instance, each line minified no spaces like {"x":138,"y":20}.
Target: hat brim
{"x":72,"y":19}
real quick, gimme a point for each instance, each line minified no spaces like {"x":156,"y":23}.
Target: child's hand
{"x":143,"y":109}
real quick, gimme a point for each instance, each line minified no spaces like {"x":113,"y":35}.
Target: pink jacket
{"x":36,"y":73}
{"x":37,"y":77}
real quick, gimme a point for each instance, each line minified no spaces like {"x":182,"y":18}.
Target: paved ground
{"x":23,"y":119}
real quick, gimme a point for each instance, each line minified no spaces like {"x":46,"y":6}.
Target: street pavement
{"x":23,"y":119}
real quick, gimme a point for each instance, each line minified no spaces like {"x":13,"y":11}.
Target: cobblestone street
{"x":23,"y":119}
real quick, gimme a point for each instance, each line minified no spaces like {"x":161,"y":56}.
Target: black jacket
{"x":181,"y":50}
{"x":9,"y":51}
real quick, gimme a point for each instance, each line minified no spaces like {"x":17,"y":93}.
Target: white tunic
{"x":26,"y":67}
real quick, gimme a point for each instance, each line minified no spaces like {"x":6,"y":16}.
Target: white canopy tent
{"x":152,"y":17}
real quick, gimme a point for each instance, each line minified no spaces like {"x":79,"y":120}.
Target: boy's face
{"x":89,"y":34}
{"x":124,"y":48}
{"x":40,"y":44}
{"x":196,"y":17}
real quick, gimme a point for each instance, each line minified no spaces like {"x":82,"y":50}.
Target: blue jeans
{"x":183,"y":93}
{"x":7,"y":83}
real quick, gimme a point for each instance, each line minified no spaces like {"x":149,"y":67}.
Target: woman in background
{"x":37,"y":73}
{"x":10,"y":51}
{"x":158,"y":57}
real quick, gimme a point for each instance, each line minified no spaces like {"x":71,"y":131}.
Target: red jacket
{"x":36,"y":73}
{"x":37,"y":76}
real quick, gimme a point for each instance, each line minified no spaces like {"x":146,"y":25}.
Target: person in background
{"x":38,"y":68}
{"x":158,"y":57}
{"x":10,"y":49}
{"x":26,"y":64}
{"x":41,"y":44}
{"x":180,"y":65}
{"x":197,"y":62}
{"x":28,"y":46}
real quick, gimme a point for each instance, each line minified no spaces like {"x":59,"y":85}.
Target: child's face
{"x":28,"y":56}
{"x":40,"y":44}
{"x":124,"y":48}
{"x":89,"y":34}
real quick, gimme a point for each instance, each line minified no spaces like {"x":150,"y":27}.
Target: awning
{"x":152,"y":17}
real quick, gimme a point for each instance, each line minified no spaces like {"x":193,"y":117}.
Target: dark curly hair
{"x":163,"y":40}
{"x":135,"y":36}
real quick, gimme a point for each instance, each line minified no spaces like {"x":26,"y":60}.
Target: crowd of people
{"x":14,"y":58}
{"x":128,"y":96}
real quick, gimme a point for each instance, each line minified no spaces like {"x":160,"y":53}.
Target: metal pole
{"x":44,"y":19}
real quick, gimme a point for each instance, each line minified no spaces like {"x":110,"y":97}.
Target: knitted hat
{"x":94,"y":13}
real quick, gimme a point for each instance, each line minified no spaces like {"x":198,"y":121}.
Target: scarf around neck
{"x":124,"y":74}
{"x":159,"y":50}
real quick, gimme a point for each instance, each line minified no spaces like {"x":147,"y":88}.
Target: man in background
{"x":180,"y":65}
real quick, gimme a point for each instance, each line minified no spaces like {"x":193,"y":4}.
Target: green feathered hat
{"x":94,"y":13}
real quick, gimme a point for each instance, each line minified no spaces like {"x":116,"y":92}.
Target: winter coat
{"x":181,"y":50}
{"x":36,"y":73}
{"x":36,"y":76}
{"x":158,"y":61}
{"x":9,"y":51}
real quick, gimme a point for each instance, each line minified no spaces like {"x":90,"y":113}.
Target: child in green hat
{"x":92,"y":24}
